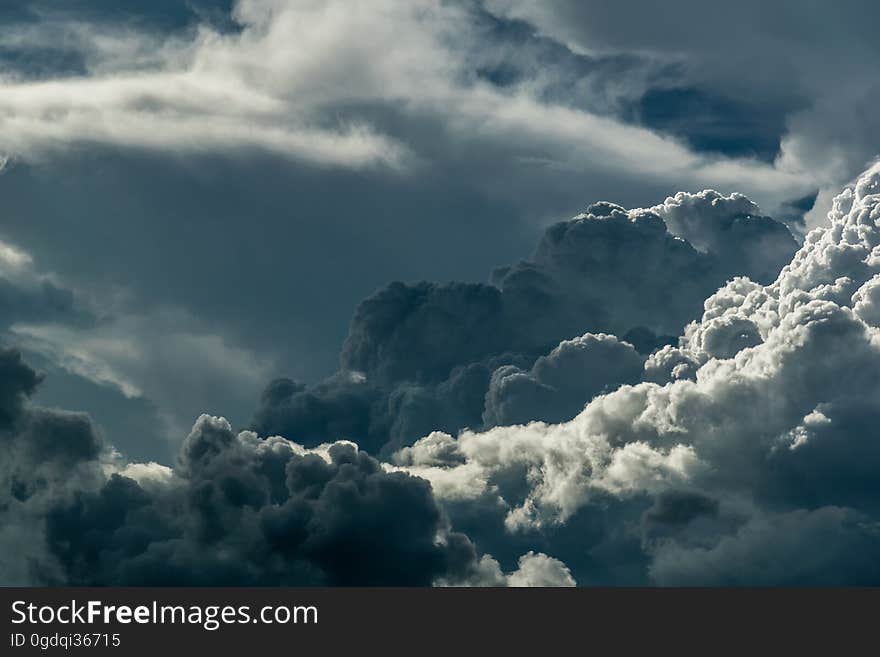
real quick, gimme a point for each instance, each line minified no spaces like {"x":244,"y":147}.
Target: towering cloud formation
{"x":448,"y":356}
{"x":752,"y":461}
{"x":745,"y":454}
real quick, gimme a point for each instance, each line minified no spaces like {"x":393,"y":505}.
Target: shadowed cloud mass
{"x":199,"y":195}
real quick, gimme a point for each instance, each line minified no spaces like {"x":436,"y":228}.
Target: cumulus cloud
{"x":769,"y":434}
{"x":431,"y":356}
{"x":92,"y":521}
{"x":560,"y":383}
{"x":746,"y":455}
{"x":240,"y":510}
{"x":731,"y":227}
{"x":235,"y":509}
{"x":532,"y":570}
{"x":46,"y":456}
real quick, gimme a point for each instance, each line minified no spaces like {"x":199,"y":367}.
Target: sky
{"x":532,"y":259}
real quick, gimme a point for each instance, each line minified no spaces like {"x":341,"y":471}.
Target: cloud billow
{"x":427,"y":356}
{"x":745,"y":454}
{"x":238,"y":510}
{"x":756,"y":449}
{"x":235,"y":510}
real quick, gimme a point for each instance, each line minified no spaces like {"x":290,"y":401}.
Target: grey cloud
{"x":44,"y":301}
{"x":682,"y":481}
{"x":828,"y":546}
{"x":28,"y":295}
{"x":46,"y":455}
{"x":238,"y":510}
{"x":560,"y":383}
{"x":759,"y":443}
{"x":733,"y":228}
{"x":158,"y":153}
{"x":235,"y":510}
{"x":812,"y":48}
{"x":428,"y":356}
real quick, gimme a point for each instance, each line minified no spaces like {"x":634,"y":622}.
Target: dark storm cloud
{"x":242,"y":511}
{"x":17,"y":382}
{"x":235,"y":510}
{"x":45,"y":455}
{"x":426,"y":356}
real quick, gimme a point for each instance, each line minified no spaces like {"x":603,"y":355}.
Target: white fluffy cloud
{"x":773,"y":417}
{"x":533,"y":569}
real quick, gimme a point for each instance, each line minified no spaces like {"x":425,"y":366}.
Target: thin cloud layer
{"x":306,"y":80}
{"x":812,"y":49}
{"x":104,"y":342}
{"x":28,"y":295}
